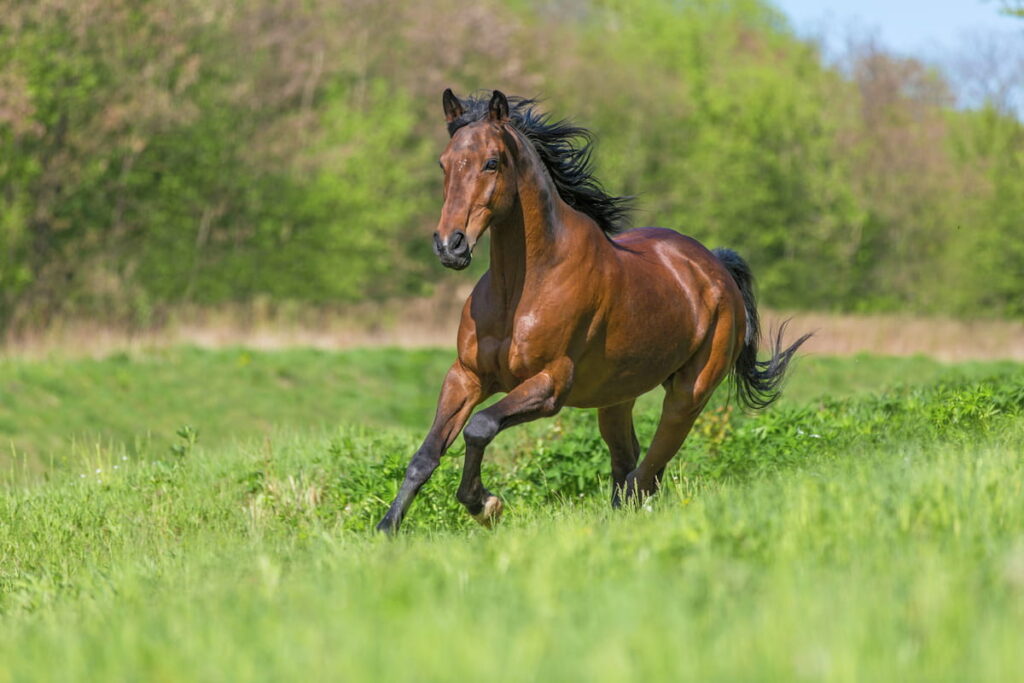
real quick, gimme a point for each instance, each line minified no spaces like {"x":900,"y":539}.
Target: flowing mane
{"x":566,"y":151}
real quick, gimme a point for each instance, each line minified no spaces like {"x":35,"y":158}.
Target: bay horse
{"x":574,"y":311}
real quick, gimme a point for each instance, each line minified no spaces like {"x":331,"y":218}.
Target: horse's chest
{"x":525,"y":348}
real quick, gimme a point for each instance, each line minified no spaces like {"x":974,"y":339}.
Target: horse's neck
{"x":523,"y":244}
{"x":540,"y":232}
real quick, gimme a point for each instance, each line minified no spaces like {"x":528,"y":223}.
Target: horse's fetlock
{"x":472,"y":500}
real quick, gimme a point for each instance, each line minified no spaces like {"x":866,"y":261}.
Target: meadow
{"x":187,"y":514}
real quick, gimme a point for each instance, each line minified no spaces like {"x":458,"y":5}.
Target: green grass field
{"x":869,"y":527}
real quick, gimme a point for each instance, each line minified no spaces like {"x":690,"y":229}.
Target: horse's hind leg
{"x":686,"y":394}
{"x":678,"y":413}
{"x":616,"y":424}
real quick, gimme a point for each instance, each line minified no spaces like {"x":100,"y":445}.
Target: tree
{"x":1014,"y":7}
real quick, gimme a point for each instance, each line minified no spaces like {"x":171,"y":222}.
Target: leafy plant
{"x":189,"y":437}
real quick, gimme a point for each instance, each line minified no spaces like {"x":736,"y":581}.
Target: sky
{"x":921,"y":28}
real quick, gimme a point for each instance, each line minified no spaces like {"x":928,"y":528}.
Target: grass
{"x":54,"y":411}
{"x":847,"y":534}
{"x":60,"y":408}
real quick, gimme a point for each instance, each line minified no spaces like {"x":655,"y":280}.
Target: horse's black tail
{"x":758,"y":382}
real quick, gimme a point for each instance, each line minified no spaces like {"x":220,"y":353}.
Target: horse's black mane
{"x":566,"y":151}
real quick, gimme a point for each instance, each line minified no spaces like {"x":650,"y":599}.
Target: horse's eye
{"x":491,"y":165}
{"x":440,"y":164}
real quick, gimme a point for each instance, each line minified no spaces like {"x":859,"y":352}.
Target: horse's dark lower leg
{"x":459,"y":395}
{"x":616,"y":424}
{"x":472,"y":494}
{"x":423,"y":464}
{"x":534,"y":398}
{"x":668,"y":438}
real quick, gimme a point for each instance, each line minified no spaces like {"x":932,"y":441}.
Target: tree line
{"x":204,"y":152}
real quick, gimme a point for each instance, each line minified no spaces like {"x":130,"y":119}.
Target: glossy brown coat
{"x":567,"y":316}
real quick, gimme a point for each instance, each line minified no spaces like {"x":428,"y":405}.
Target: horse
{"x":575,"y":310}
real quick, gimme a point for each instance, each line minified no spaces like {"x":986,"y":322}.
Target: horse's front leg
{"x":539,"y":396}
{"x":462,"y":391}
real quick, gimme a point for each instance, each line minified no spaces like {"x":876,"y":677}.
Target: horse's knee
{"x":481,"y":430}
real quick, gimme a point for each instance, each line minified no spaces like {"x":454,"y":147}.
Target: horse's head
{"x":479,"y":178}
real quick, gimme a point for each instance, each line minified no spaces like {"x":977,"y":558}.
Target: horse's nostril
{"x":457,"y":242}
{"x":438,"y":247}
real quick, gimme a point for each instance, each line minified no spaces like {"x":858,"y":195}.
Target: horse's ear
{"x":452,"y":105}
{"x":497,"y":110}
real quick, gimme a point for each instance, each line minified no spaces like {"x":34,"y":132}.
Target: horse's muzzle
{"x":454,"y":252}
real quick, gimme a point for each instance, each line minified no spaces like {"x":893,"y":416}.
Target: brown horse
{"x":572,"y":312}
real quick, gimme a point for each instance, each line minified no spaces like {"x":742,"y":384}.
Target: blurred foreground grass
{"x":871,"y":527}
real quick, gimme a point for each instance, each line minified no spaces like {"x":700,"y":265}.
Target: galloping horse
{"x":574,"y":312}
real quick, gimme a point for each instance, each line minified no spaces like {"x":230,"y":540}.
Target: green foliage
{"x":1013,"y":7}
{"x":189,"y":436}
{"x":738,"y":146}
{"x":568,"y":459}
{"x":284,"y":151}
{"x":996,"y":143}
{"x":55,"y":410}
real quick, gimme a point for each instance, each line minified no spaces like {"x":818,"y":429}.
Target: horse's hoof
{"x":491,"y":512}
{"x":633,"y":495}
{"x":386,"y":526}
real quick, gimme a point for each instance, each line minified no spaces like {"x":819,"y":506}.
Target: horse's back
{"x":647,"y":255}
{"x":670,"y":247}
{"x":664,"y":295}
